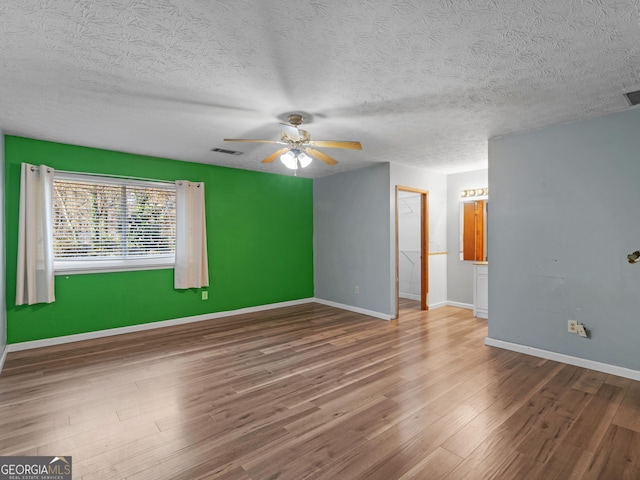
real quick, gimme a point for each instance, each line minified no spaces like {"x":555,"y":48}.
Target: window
{"x":106,"y":224}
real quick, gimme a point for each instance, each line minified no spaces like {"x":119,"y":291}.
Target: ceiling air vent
{"x":633,"y":97}
{"x":224,"y":150}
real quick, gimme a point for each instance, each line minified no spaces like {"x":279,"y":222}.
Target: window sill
{"x":106,"y":266}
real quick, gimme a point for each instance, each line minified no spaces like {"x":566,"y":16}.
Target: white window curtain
{"x":191,"y":268}
{"x":35,"y":236}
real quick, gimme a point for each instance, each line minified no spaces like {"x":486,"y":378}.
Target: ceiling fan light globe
{"x":289,"y":160}
{"x":304,"y":159}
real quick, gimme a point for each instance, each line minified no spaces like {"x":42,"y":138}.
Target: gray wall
{"x":459,"y":273}
{"x":3,"y":307}
{"x":352,"y":239}
{"x":564,"y":216}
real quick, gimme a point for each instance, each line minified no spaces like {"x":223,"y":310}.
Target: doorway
{"x":412,"y":240}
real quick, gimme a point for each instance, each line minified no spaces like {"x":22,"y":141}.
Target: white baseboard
{"x":438,"y":305}
{"x":350,"y":308}
{"x":468,"y":306}
{"x":16,"y":347}
{"x":560,"y":357}
{"x":410,"y":296}
{"x":3,"y":357}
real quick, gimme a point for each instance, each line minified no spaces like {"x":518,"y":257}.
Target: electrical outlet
{"x":573,"y":326}
{"x":357,"y":289}
{"x":205,"y":295}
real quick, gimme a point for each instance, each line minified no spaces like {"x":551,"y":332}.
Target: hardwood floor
{"x":313,"y":392}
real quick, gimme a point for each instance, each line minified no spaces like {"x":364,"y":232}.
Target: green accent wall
{"x":259,"y":239}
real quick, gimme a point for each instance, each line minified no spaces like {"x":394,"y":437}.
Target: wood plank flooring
{"x":313,"y":392}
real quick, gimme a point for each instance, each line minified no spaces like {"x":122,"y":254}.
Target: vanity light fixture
{"x":475,"y":192}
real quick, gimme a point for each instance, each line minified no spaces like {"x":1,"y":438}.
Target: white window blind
{"x":103,"y":223}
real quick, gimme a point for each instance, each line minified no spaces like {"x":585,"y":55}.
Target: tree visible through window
{"x":107,"y":219}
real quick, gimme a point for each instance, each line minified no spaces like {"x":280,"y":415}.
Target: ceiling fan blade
{"x":304,"y":136}
{"x":336,"y":144}
{"x":321,"y":156}
{"x":252,"y":140}
{"x":275,"y":155}
{"x":291,"y":132}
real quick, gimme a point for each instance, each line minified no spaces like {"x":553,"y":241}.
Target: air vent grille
{"x":224,"y":150}
{"x":633,"y":97}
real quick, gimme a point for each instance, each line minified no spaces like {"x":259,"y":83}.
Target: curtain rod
{"x":125,"y":177}
{"x":168,"y":182}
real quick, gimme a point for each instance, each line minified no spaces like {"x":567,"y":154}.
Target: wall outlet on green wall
{"x":205,"y":295}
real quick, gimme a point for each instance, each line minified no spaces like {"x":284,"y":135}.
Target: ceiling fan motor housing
{"x":296,"y":119}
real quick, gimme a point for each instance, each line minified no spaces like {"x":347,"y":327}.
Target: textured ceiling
{"x":422,"y":83}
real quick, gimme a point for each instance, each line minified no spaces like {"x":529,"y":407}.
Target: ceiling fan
{"x":299,"y":150}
